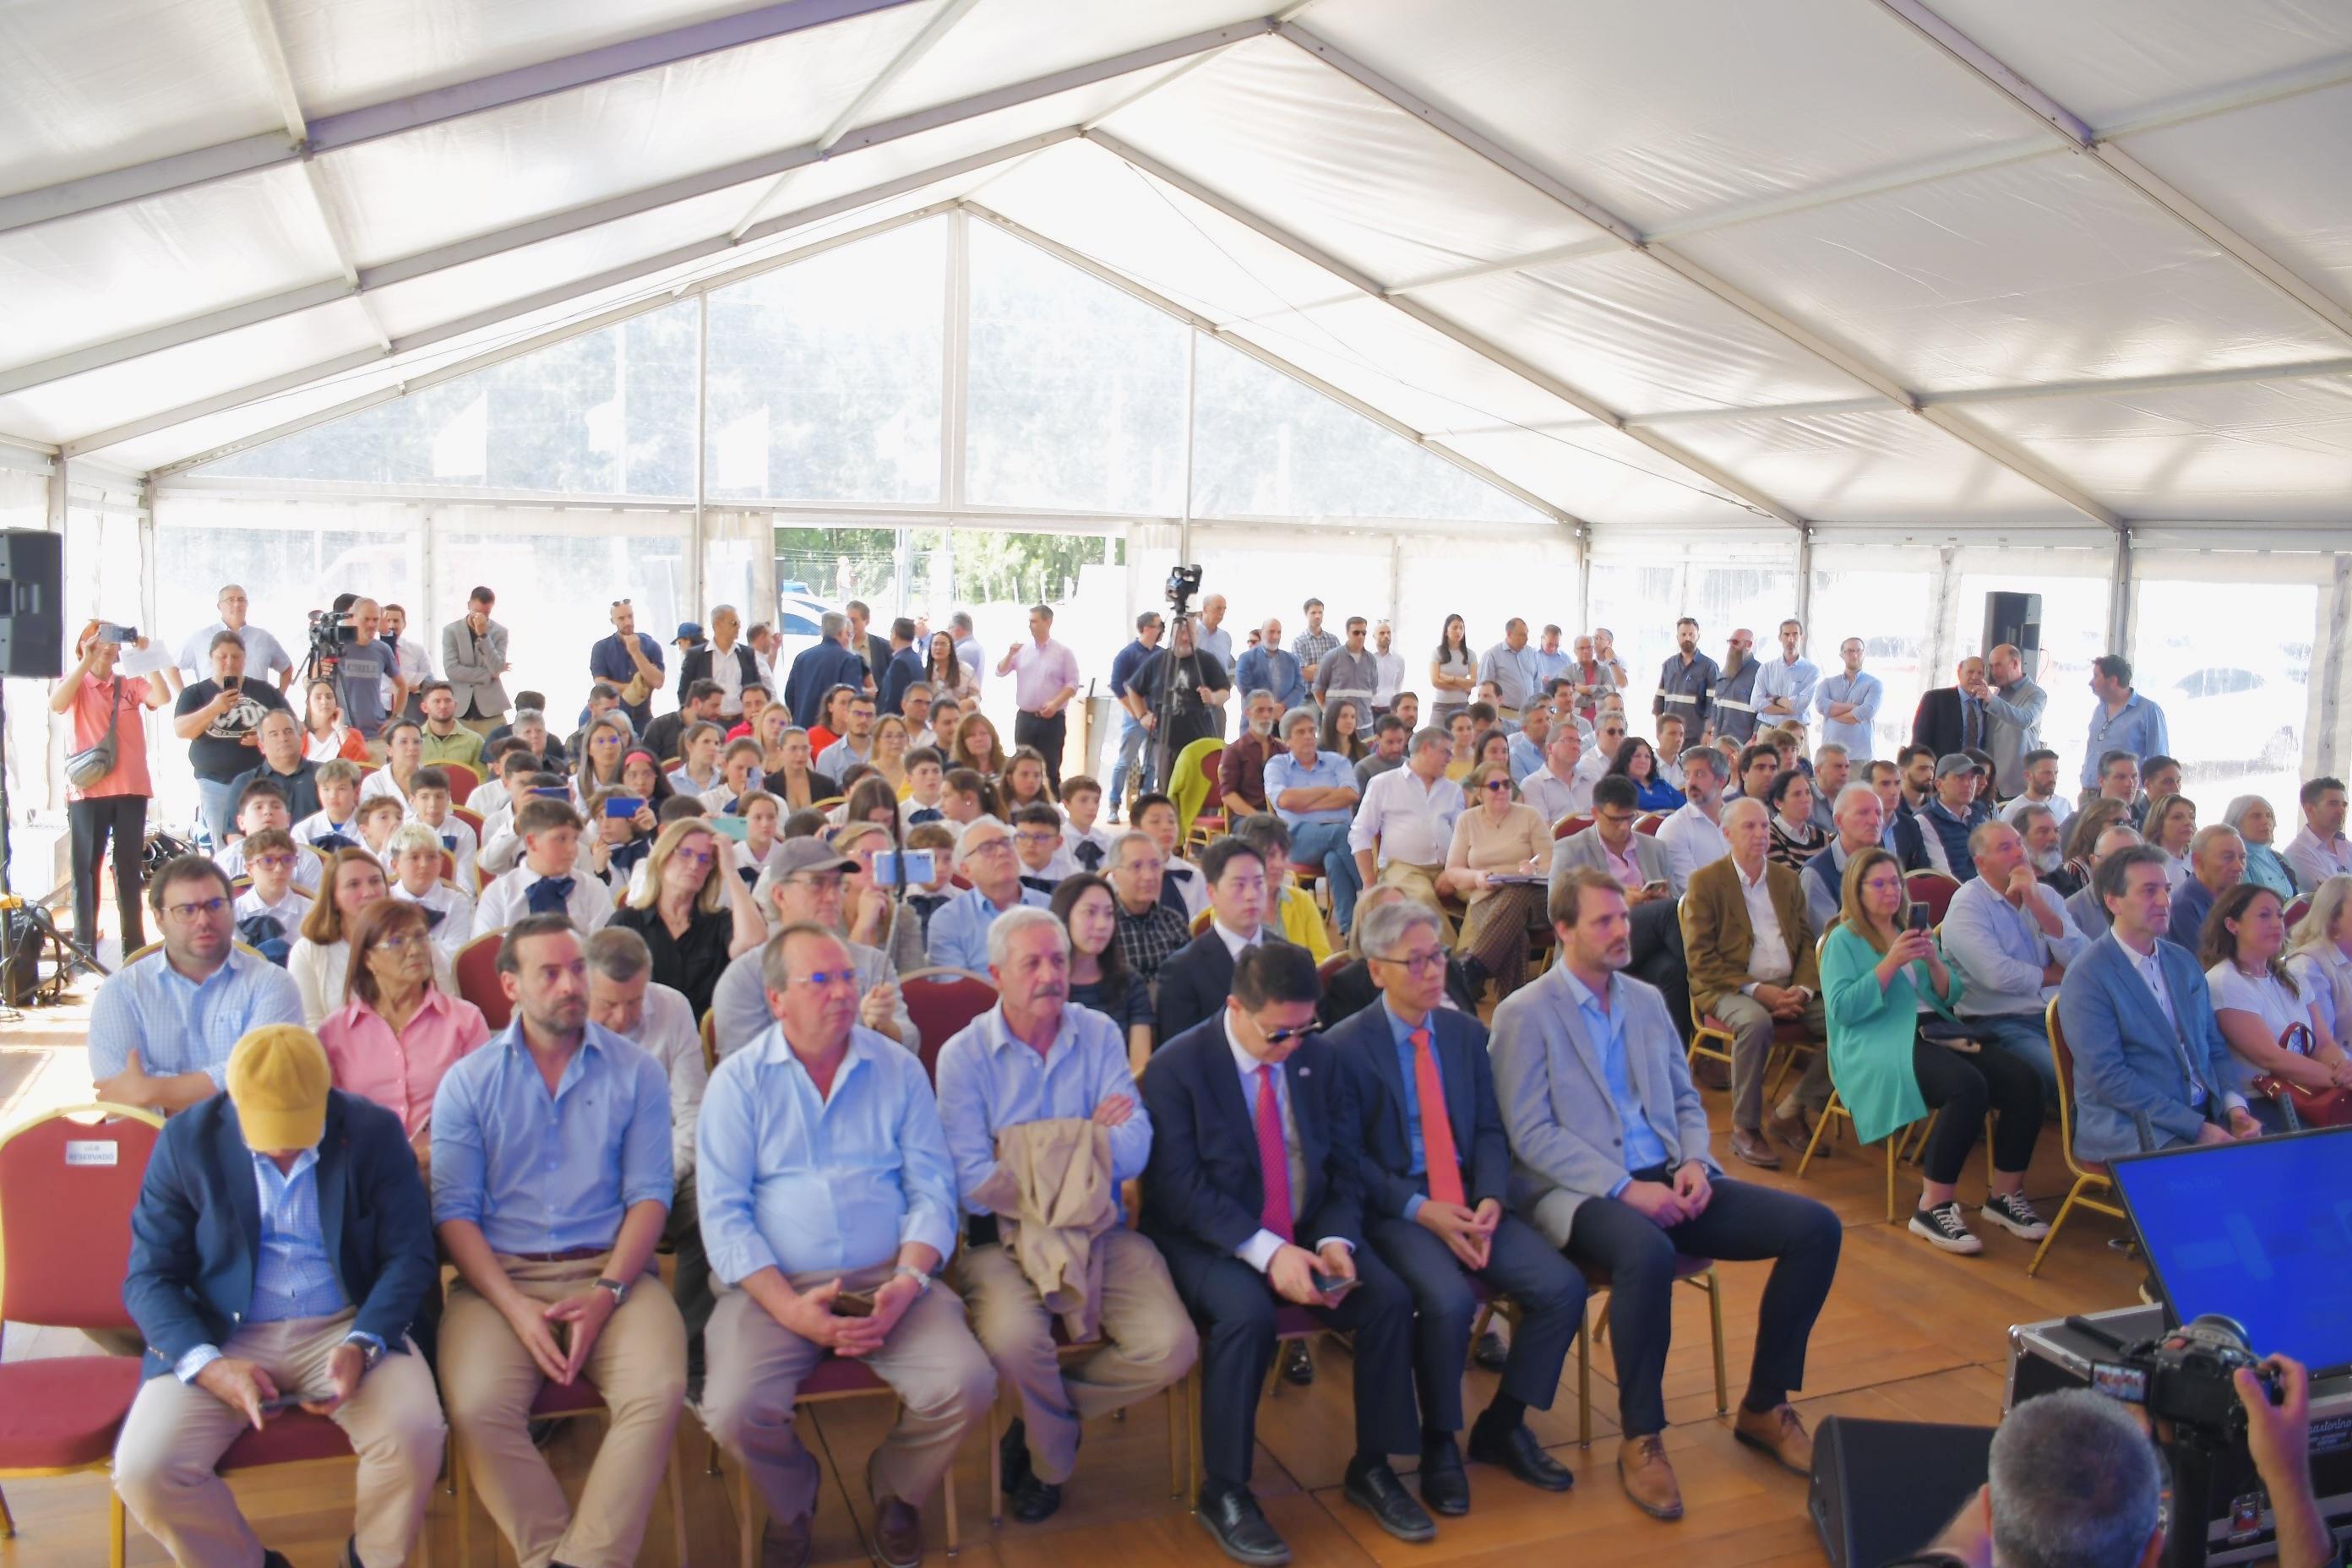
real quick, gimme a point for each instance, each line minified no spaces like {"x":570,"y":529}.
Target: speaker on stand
{"x":32,"y":647}
{"x":2015,"y":619}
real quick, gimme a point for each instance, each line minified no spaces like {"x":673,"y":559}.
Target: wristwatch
{"x":370,"y":1351}
{"x":620,"y":1291}
{"x":922,"y":1281}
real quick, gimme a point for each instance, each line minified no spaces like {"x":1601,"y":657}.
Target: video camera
{"x":330,"y":630}
{"x":1183,"y":582}
{"x":2184,"y":1377}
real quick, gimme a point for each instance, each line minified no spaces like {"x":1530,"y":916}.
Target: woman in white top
{"x":2264,"y":1010}
{"x":697,"y":770}
{"x":2319,"y":955}
{"x":321,"y":961}
{"x":403,"y":752}
{"x":2170,"y":824}
{"x":416,"y":871}
{"x":1452,"y":671}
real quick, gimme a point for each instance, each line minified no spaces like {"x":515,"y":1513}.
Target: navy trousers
{"x":1520,"y":1265}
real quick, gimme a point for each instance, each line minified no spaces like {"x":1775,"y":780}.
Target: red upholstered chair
{"x":1568,"y":826}
{"x":67,"y":1189}
{"x":1332,"y":966}
{"x":557,"y":1403}
{"x":941,"y":1000}
{"x":1932,"y":889}
{"x":2297,"y":910}
{"x":476,"y":971}
{"x":470,"y":817}
{"x":1648,"y":827}
{"x":463,"y":781}
{"x":299,"y":1437}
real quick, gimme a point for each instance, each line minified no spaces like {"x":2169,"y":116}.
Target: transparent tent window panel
{"x":1075,"y":390}
{"x":2236,"y":708}
{"x":1640,"y":602}
{"x":825,"y":377}
{"x":1889,"y":611}
{"x":607,"y":413}
{"x":2073,"y":633}
{"x":1485,"y":581}
{"x":1272,"y":581}
{"x":290,"y":560}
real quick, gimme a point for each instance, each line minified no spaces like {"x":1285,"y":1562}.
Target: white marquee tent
{"x":1857,"y":308}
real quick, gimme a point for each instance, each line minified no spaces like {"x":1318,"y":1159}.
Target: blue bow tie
{"x":1043,"y":884}
{"x":450,"y":842}
{"x":434,"y":917}
{"x":550,"y":894}
{"x":1088,"y":853}
{"x":923,"y":814}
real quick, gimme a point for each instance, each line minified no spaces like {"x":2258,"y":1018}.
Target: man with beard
{"x":2009,"y":938}
{"x":2038,"y":826}
{"x":1732,"y":699}
{"x":1241,"y":767}
{"x":1201,"y":687}
{"x":2013,"y":707}
{"x":2041,"y":774}
{"x":1685,"y":681}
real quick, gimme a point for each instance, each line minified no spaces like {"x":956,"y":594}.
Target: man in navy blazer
{"x":2145,"y":1057}
{"x":1252,"y":1198}
{"x":1435,"y":1169}
{"x":281,"y":1247}
{"x":1195,"y":980}
{"x":818,"y":669}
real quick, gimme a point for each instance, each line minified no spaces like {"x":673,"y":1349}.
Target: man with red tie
{"x":1434,"y":1170}
{"x":1251,"y":1195}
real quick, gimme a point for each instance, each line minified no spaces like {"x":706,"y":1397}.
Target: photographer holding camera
{"x":2075,"y":1482}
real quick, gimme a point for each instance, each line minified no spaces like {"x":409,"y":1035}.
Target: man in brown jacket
{"x":1749,"y":947}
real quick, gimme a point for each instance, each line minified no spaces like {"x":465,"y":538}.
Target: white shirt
{"x":1392,"y":680}
{"x":1691,"y":840}
{"x":1236,"y":943}
{"x":288,"y":912}
{"x":1767,"y":955}
{"x":316,"y":825}
{"x":508,"y":899}
{"x":415,"y":668}
{"x":1543,"y":790}
{"x":466,"y":850}
{"x":381,"y":784}
{"x":1409,"y":821}
{"x":1592,"y":765}
{"x":2152,"y":973}
{"x":230,"y":859}
{"x":457,"y":927}
{"x":728,"y":671}
{"x":667,"y":1032}
{"x":2057,"y":805}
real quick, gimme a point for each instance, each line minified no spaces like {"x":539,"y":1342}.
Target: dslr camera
{"x":2184,"y":1377}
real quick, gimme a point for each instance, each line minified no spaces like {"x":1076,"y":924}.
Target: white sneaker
{"x":1943,"y":1226}
{"x":2013,"y":1214}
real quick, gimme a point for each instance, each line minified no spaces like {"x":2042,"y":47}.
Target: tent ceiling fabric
{"x":1926,"y":264}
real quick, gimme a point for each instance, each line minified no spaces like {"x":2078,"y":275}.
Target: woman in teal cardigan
{"x":1876,"y":971}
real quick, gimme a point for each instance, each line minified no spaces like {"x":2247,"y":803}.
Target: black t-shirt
{"x":1133,"y":1008}
{"x":220,"y":752}
{"x":689,"y":965}
{"x":301,"y":785}
{"x":1192,"y":719}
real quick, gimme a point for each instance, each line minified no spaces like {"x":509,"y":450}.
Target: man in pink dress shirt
{"x":1044,"y":678}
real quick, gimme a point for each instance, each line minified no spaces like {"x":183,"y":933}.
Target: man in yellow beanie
{"x":281,"y":1247}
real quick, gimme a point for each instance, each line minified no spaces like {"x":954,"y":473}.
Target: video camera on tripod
{"x":331,"y":631}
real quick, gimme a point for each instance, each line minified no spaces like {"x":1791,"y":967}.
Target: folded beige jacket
{"x":1052,"y":1194}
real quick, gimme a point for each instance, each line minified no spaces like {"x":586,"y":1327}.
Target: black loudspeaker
{"x":32,"y":604}
{"x":2015,"y":619}
{"x":1883,"y":1489}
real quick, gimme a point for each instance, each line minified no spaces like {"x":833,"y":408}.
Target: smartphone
{"x":1915,"y":916}
{"x":623,"y":808}
{"x":552,"y":792}
{"x":912,"y":868}
{"x":283,"y":1403}
{"x":1660,"y":886}
{"x":726,"y":826}
{"x":853,"y":1304}
{"x":1333,"y":1285}
{"x":109,"y":632}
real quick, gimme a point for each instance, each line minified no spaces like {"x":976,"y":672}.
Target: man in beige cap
{"x":281,"y":1247}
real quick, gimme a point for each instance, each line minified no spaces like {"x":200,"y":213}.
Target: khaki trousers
{"x":1420,"y":885}
{"x":177,"y":1432}
{"x":488,"y":1380}
{"x":756,"y":1366}
{"x":1751,"y":1024}
{"x":1149,"y":1342}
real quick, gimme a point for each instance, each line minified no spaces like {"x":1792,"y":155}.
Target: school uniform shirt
{"x":449,"y":912}
{"x":589,"y":901}
{"x":1088,"y":848}
{"x":458,"y":840}
{"x":231,"y":860}
{"x":318,"y":827}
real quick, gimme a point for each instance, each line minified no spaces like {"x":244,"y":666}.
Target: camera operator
{"x":1197,"y":707}
{"x":2077,"y":1483}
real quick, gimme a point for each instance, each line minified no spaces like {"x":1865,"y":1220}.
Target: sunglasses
{"x":1503,"y":784}
{"x":1279,"y":1036}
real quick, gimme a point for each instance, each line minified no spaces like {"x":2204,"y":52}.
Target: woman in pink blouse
{"x":398,"y":1032}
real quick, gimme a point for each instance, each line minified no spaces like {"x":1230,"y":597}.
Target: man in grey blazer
{"x":1638,"y":864}
{"x":1608,"y":1145}
{"x":474,"y":656}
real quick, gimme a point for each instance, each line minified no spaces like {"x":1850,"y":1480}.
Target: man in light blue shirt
{"x":1848,"y":703}
{"x":1511,"y":666}
{"x":552,"y":1181}
{"x":1785,"y":686}
{"x":958,"y":936}
{"x":1268,"y":668}
{"x":1552,"y":661}
{"x":1527,"y":743}
{"x":2122,"y":720}
{"x":1314,"y":793}
{"x":2010,"y":938}
{"x":822,"y":1171}
{"x":163,"y":1026}
{"x":1032,"y":1059}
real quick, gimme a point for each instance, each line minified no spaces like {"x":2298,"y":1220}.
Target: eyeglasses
{"x":825,"y":978}
{"x":1278,"y":1037}
{"x":993,"y":847}
{"x":189,"y":912}
{"x":692,"y":857}
{"x":1415,"y":962}
{"x":401,"y":942}
{"x":618,"y":602}
{"x":278,"y":862}
{"x":829,"y":882}
{"x":1039,"y":837}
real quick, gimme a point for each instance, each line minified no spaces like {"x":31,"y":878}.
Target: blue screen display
{"x":2260,"y":1232}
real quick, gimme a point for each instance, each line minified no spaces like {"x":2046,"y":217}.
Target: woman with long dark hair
{"x":1452,"y":672}
{"x":1099,"y":977}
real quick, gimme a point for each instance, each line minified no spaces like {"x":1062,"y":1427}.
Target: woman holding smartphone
{"x":694,"y":914}
{"x":1881,"y":969}
{"x":99,"y":701}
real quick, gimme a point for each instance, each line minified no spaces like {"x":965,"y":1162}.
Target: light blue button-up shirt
{"x":1526,"y":757}
{"x":1607,"y":1029}
{"x":1331,"y":771}
{"x":1861,"y":688}
{"x":989,"y":1081}
{"x":960,"y":930}
{"x":292,"y":1276}
{"x":177,"y":1025}
{"x":542,"y":1173}
{"x":788,"y":1179}
{"x":2138,"y":729}
{"x":1550,"y":667}
{"x":1779,"y":677}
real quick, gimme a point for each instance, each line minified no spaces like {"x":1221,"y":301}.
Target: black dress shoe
{"x":1444,"y":1484}
{"x":1489,"y":1354}
{"x":1297,"y":1366}
{"x":274,"y":1559}
{"x":1515,"y":1448}
{"x":1374,"y":1488}
{"x":1234,"y":1518}
{"x":1033,"y":1499}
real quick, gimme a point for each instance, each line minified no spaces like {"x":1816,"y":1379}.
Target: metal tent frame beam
{"x":612,"y":209}
{"x":414,"y":112}
{"x":1690,"y":462}
{"x":1630,"y":238}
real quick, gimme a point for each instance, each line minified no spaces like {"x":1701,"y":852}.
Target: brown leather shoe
{"x":1649,"y":1480}
{"x":1751,"y":1147}
{"x":786,"y":1543}
{"x":1711,"y":1074}
{"x":897,"y":1534}
{"x":1780,"y":1432}
{"x":1796,"y":1131}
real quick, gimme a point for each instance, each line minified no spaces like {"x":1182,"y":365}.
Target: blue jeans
{"x":216,"y":809}
{"x":1326,"y":844}
{"x":2024,"y":1036}
{"x":1135,"y":752}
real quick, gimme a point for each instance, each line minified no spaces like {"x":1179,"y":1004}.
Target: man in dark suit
{"x":1899,"y":831}
{"x":905,"y":668}
{"x":281,"y":1247}
{"x":1253,"y":1162}
{"x":1198,"y":976}
{"x":1953,"y":718}
{"x":818,"y":669}
{"x":1436,"y":1170}
{"x":1350,"y":988}
{"x":724,"y":658}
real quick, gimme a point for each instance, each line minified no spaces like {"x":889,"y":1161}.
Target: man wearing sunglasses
{"x":163,"y":1026}
{"x":1251,"y":1194}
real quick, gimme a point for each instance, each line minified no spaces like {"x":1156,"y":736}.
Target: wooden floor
{"x":1908,"y":1334}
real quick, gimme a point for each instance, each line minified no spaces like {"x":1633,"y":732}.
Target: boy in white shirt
{"x":428,"y":803}
{"x":260,"y":808}
{"x":550,"y":831}
{"x":501,"y":845}
{"x":338,"y":785}
{"x":926,"y":799}
{"x":272,"y":858}
{"x":493,"y":792}
{"x":378,"y":819}
{"x":416,"y":876}
{"x":1081,"y":802}
{"x":1037,"y":845}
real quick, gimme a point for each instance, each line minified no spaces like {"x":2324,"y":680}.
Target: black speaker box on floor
{"x":1881,"y":1489}
{"x":32,"y":604}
